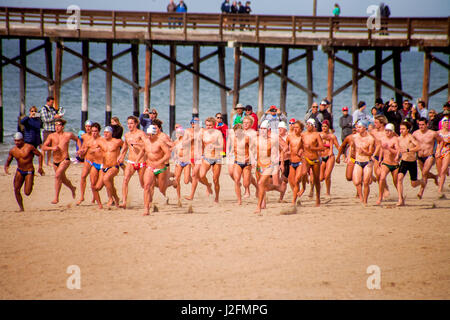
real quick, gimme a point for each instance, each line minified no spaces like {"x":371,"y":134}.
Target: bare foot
{"x":174,"y":183}
{"x":239,"y":202}
{"x":55,"y":201}
{"x":80,"y":201}
{"x":301,"y":192}
{"x":209,"y":189}
{"x":188,"y":198}
{"x":436,"y":182}
{"x":179,"y":203}
{"x":400,"y":204}
{"x":123,"y":205}
{"x":258,"y":210}
{"x":378,"y":202}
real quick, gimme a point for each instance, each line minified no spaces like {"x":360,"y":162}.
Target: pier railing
{"x":219,"y":27}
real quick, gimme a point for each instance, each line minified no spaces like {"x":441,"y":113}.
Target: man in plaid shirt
{"x":48,"y":116}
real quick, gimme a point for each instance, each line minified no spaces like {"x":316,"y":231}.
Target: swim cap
{"x":282,"y":124}
{"x":108,"y":129}
{"x":88,"y":123}
{"x":18,"y":136}
{"x":311,"y":121}
{"x":151,"y":129}
{"x":264,"y":124}
{"x":80,"y":133}
{"x":363,"y":123}
{"x":389,"y":126}
{"x":180,"y":130}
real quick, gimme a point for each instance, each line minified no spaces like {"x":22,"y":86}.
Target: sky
{"x":399,"y":8}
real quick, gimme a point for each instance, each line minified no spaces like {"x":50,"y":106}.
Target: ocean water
{"x":122,"y":106}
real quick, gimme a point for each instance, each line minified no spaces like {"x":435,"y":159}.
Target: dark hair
{"x":97,"y":125}
{"x":157,"y":123}
{"x":361,"y":104}
{"x":378,"y":101}
{"x":50,"y":98}
{"x":248,"y":107}
{"x":422,"y":103}
{"x":135,"y":119}
{"x":406,"y":124}
{"x":423,"y":119}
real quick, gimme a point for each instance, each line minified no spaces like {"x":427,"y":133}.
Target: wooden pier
{"x":307,"y":33}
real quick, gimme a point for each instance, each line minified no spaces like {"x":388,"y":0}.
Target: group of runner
{"x":287,"y":155}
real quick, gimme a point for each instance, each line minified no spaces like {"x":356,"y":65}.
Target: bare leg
{"x":94,"y":175}
{"x":129,"y":171}
{"x":84,"y":174}
{"x":149,"y":181}
{"x":237,"y":182}
{"x":216,"y":175}
{"x":18,"y":183}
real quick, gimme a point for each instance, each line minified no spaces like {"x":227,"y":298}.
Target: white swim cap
{"x":282,"y":124}
{"x":311,"y":121}
{"x":88,"y":123}
{"x":18,"y":136}
{"x":389,"y":126}
{"x":180,"y":131}
{"x":264,"y":124}
{"x":363,"y":123}
{"x":151,"y":129}
{"x":108,"y":129}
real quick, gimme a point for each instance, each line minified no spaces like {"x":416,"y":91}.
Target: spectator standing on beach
{"x":324,"y":110}
{"x":345,"y":122}
{"x":32,"y":125}
{"x":313,"y":113}
{"x":274,"y":116}
{"x":49,"y":114}
{"x":147,"y":118}
{"x":117,"y":128}
{"x":249,"y":112}
{"x":359,"y":113}
{"x":393,"y":115}
{"x":239,"y":116}
{"x":422,"y":109}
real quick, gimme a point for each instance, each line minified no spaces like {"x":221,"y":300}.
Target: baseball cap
{"x":345,"y":108}
{"x":273,"y":108}
{"x":18,"y":136}
{"x":248,"y":107}
{"x":282,"y":124}
{"x":389,"y":126}
{"x":264,"y":124}
{"x":324,"y":102}
{"x":292,"y":120}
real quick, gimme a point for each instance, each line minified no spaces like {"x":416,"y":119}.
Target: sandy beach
{"x":223,"y":251}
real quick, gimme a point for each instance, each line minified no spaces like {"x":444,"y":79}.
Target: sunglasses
{"x":152,"y":112}
{"x":219,"y":118}
{"x":291,"y":122}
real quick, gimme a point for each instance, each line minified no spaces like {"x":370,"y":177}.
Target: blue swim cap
{"x":80,"y":133}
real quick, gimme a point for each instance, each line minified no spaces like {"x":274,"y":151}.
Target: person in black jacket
{"x":393,"y":115}
{"x":326,"y":115}
{"x":32,"y":125}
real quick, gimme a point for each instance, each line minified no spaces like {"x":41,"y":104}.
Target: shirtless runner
{"x":181,"y":156}
{"x":134,"y":141}
{"x":312,"y":145}
{"x":23,"y":153}
{"x":348,"y":141}
{"x":294,"y":144}
{"x":443,"y":154}
{"x":87,"y":164}
{"x":212,"y":141}
{"x":111,"y":149}
{"x":242,"y":164}
{"x":267,"y":165}
{"x":378,"y":133}
{"x":156,"y":154}
{"x":362,"y":173}
{"x":408,"y":148}
{"x":389,"y":151}
{"x":426,"y":139}
{"x":327,"y":156}
{"x":58,"y":142}
{"x":93,"y":159}
{"x":194,"y":136}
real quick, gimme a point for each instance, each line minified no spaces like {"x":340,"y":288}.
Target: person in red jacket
{"x":249,"y":112}
{"x":222,"y":127}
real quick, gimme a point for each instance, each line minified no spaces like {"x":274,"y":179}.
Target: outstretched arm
{"x":8,"y":162}
{"x":41,"y":160}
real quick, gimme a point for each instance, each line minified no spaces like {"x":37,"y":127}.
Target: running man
{"x":389,"y":154}
{"x":181,"y":155}
{"x":362,"y":173}
{"x":134,"y":141}
{"x":156,"y":154}
{"x":23,"y":153}
{"x":426,"y":139}
{"x":242,"y":165}
{"x":93,"y":161}
{"x":327,"y":156}
{"x":86,"y":160}
{"x":312,"y":145}
{"x":267,"y":165}
{"x":408,"y":148}
{"x":212,"y":145}
{"x":194,"y":136}
{"x":348,"y":141}
{"x":58,"y":142}
{"x":110,"y":165}
{"x":379,"y":135}
{"x":295,"y":169}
